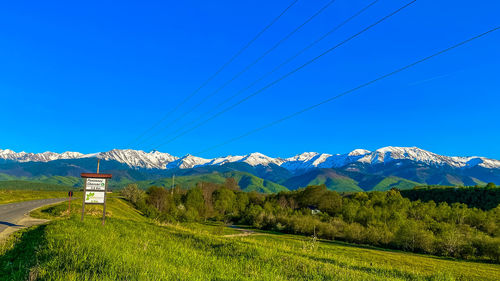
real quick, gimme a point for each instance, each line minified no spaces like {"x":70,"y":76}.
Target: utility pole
{"x":173,"y":183}
{"x":98,"y":160}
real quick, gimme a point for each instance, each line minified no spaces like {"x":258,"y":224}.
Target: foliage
{"x":486,"y":198}
{"x":129,"y":247}
{"x":384,"y":219}
{"x":132,"y":193}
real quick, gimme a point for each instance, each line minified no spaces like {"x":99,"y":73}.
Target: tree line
{"x":482,"y":197}
{"x":381,"y":219}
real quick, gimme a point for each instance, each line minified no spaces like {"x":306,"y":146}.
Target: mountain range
{"x":358,"y":170}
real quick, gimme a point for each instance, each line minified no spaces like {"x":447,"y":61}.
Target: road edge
{"x":25,"y":222}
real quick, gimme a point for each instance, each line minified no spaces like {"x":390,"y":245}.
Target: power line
{"x":286,"y":61}
{"x":216,"y":73}
{"x":351,"y":90}
{"x":299,"y":52}
{"x":288,"y":74}
{"x":248,"y":67}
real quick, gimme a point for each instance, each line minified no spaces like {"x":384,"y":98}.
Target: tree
{"x":132,"y":193}
{"x":208,"y":190}
{"x":231,"y":184}
{"x":242,"y":201}
{"x":224,"y":201}
{"x":157,"y":197}
{"x":490,"y":185}
{"x":194,"y":203}
{"x":411,"y":236}
{"x":330,"y":202}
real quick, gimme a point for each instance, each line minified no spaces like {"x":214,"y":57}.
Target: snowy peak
{"x":132,"y":158}
{"x":22,"y":156}
{"x":138,"y":158}
{"x":358,"y":152}
{"x":255,"y":159}
{"x":187,"y":162}
{"x":390,"y":153}
{"x":304,"y":161}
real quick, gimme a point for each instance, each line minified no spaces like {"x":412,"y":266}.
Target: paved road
{"x":11,"y":214}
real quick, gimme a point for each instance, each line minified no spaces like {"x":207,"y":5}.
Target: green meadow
{"x":13,"y":196}
{"x":132,"y":247}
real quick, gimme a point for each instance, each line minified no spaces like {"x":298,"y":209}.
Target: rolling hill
{"x":246,"y":181}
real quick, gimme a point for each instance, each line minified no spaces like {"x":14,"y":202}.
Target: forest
{"x":483,"y":197}
{"x":381,"y":219}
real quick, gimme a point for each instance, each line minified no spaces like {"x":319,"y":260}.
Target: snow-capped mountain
{"x":253,"y":159}
{"x":22,"y":156}
{"x":137,"y":158}
{"x":389,"y":154}
{"x":186,"y":162}
{"x":304,"y":161}
{"x":311,"y":160}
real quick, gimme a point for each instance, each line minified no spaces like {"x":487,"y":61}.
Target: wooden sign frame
{"x":86,"y":176}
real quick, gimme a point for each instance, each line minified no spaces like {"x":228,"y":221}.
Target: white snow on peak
{"x":255,"y":159}
{"x":390,"y":153}
{"x":188,"y":161}
{"x":358,"y":152}
{"x":22,"y":156}
{"x":304,"y":161}
{"x":138,"y":158}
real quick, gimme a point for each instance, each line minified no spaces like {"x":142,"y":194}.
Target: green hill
{"x":246,"y":181}
{"x":394,"y":182}
{"x":333,"y":179}
{"x":329,"y":177}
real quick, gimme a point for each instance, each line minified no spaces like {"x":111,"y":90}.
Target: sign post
{"x":70,"y":194}
{"x":94,"y":191}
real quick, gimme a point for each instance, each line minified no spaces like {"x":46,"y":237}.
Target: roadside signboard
{"x":94,"y":197}
{"x":95,"y":184}
{"x":94,"y":191}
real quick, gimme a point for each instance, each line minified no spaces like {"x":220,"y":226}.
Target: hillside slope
{"x":129,"y":247}
{"x":246,"y":181}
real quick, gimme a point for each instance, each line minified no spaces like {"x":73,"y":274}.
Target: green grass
{"x":131,"y":247}
{"x":13,"y":196}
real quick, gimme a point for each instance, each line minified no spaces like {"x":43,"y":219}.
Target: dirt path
{"x":244,"y":232}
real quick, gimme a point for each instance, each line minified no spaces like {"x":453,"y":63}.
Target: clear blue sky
{"x":93,"y":75}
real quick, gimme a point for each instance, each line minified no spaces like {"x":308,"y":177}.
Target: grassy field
{"x":32,"y":185}
{"x":131,"y":247}
{"x":12,"y":196}
{"x":12,"y":191}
